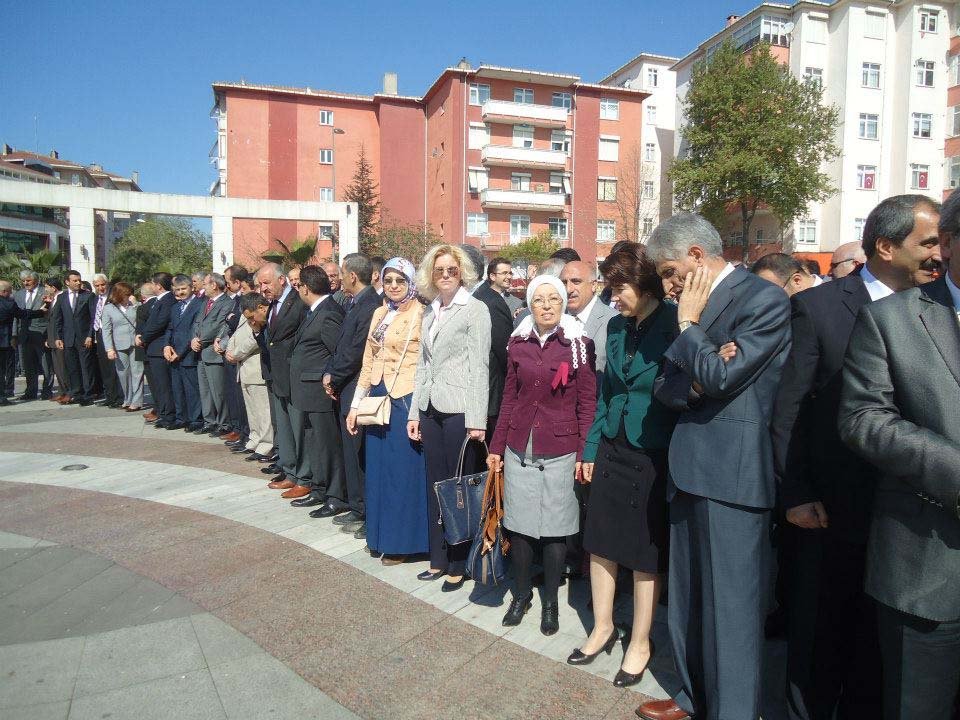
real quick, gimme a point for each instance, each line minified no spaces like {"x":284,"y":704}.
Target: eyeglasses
{"x":553,"y":300}
{"x":503,"y":272}
{"x":395,"y":281}
{"x":833,"y":265}
{"x":441,"y":272}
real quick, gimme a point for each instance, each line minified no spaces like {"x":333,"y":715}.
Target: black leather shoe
{"x":241,"y":450}
{"x":347,"y":518}
{"x":161,"y":425}
{"x":205,"y":428}
{"x":352,"y":527}
{"x":550,"y":618}
{"x":269,"y":458}
{"x":579,"y":657}
{"x":176,"y":426}
{"x":308,"y":501}
{"x":26,"y":398}
{"x":625,"y":679}
{"x":518,"y":608}
{"x":428,"y":576}
{"x":361,"y":532}
{"x":449,"y":586}
{"x":256,"y":457}
{"x":84,"y":403}
{"x":270,"y":469}
{"x":327,"y":510}
{"x":192,"y":427}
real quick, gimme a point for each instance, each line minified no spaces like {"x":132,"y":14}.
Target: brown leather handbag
{"x":487,"y":560}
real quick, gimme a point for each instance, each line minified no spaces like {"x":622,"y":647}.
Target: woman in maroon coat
{"x":549,"y":400}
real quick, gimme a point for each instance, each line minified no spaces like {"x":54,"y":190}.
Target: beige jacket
{"x":382,"y":362}
{"x":245,"y":348}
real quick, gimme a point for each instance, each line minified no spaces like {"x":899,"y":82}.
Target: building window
{"x":478,"y":179}
{"x":869,"y":126}
{"x":955,"y":120}
{"x":519,"y":227}
{"x":326,"y":156}
{"x":326,"y":194}
{"x":858,"y":224}
{"x":523,"y":136}
{"x":870,"y":76}
{"x":606,"y":230}
{"x":523,"y":95}
{"x":807,"y":232}
{"x":326,"y":117}
{"x":866,"y":177}
{"x":648,"y":190}
{"x":875,"y":25}
{"x":922,"y":125}
{"x":759,"y":235}
{"x":607,"y":189}
{"x":556,"y":183}
{"x":520,"y":181}
{"x":609,"y":149}
{"x":815,"y":31}
{"x":650,"y":152}
{"x":925,"y":69}
{"x":325,"y":230}
{"x":609,"y":109}
{"x":928,"y":21}
{"x":813,"y":76}
{"x":558,"y":228}
{"x":560,"y":141}
{"x":774,"y":31}
{"x":919,"y":176}
{"x":651,"y":114}
{"x":953,"y":171}
{"x":653,"y":77}
{"x":479,"y":136}
{"x":476,"y":224}
{"x":647,"y":226}
{"x":479,"y":94}
{"x":562,"y":99}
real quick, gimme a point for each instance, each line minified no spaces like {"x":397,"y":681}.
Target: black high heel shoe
{"x":624,"y":679}
{"x":550,"y":618}
{"x":579,"y":657}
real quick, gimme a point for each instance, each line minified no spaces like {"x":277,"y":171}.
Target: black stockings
{"x":553,"y":551}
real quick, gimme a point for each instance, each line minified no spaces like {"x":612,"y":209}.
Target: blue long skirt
{"x":396,"y":488}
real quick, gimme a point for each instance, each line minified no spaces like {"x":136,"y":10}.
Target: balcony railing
{"x":496,"y":240}
{"x":523,"y":200}
{"x":514,"y":113}
{"x":509,"y":156}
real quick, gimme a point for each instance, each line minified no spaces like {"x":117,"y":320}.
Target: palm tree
{"x":297,"y":254}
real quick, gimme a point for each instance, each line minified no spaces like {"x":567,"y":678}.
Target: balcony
{"x":523,"y":200}
{"x":509,"y":156}
{"x":504,"y":111}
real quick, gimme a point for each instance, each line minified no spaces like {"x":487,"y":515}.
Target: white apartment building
{"x":888,"y":65}
{"x":653,"y":74}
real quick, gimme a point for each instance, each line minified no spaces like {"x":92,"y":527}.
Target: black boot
{"x":550,"y":618}
{"x":518,"y":608}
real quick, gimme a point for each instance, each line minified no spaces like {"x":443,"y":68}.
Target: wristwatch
{"x":684,"y":324}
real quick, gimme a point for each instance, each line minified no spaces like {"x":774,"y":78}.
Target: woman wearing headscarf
{"x":396,"y":488}
{"x":549,"y":400}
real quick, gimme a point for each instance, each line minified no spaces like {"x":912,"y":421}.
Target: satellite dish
{"x":788,"y":28}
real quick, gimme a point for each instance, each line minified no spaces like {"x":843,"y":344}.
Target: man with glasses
{"x":492,"y":293}
{"x":500,"y":277}
{"x":846,"y":258}
{"x":786,"y":271}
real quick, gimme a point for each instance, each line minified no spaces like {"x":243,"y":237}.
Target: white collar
{"x":319,"y":300}
{"x":214,"y":299}
{"x":728,"y":268}
{"x":954,"y":290}
{"x":584,"y":315}
{"x":875,"y":288}
{"x":461,"y":298}
{"x":165,"y":292}
{"x":817,"y":280}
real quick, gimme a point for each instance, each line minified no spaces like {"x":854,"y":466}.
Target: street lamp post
{"x":333,"y":151}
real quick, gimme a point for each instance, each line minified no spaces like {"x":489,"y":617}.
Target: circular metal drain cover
{"x":75,"y":467}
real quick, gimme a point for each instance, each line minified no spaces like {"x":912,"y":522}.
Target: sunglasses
{"x":395,"y":281}
{"x":439,"y":272}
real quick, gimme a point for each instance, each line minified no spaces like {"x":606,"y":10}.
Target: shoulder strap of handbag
{"x":402,"y":355}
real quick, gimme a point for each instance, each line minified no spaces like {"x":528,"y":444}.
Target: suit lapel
{"x":939,"y":317}
{"x":720,"y":298}
{"x":615,"y":350}
{"x":651,"y":348}
{"x":856,"y":295}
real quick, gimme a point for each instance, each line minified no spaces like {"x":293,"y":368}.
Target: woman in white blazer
{"x":119,"y":327}
{"x":450,"y":391}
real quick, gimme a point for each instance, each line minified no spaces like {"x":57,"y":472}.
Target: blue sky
{"x":128,"y":84}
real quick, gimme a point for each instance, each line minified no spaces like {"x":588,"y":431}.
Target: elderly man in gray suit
{"x":591,"y":314}
{"x":722,"y":488}
{"x":206,"y":329}
{"x":900,"y":410}
{"x":31,"y":336}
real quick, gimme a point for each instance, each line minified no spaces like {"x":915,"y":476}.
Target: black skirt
{"x":627,"y":517}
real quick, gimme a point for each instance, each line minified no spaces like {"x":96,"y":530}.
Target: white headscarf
{"x":571,"y":328}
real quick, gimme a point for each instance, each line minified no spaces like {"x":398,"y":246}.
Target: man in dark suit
{"x":183,"y":360}
{"x":148,"y":296}
{"x":722,"y":487}
{"x":74,"y":332}
{"x":501,"y":325}
{"x":286,"y":314}
{"x":31,"y":336}
{"x":826,"y":490}
{"x":105,"y":366}
{"x":10,"y":312}
{"x":154,"y":340}
{"x":236,"y":414}
{"x":899,"y":410}
{"x":340,"y":382}
{"x":52,"y":289}
{"x":315,"y":344}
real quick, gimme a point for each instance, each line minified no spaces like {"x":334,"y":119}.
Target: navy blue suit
{"x":73,"y":327}
{"x":154,"y":338}
{"x":183,"y":373}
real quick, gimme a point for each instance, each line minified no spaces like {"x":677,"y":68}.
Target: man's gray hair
{"x":24,"y":274}
{"x":147,"y":290}
{"x":360,"y":265}
{"x":950,"y":215}
{"x":476,"y":258}
{"x":673,"y":238}
{"x":199,"y":275}
{"x":180,"y":280}
{"x":219,"y":280}
{"x":553,"y":266}
{"x":99,"y":276}
{"x":274,"y":268}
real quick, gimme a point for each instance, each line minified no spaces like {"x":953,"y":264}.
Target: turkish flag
{"x":923,"y":181}
{"x":868,"y":182}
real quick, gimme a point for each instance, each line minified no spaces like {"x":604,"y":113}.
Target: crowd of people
{"x":671,"y":424}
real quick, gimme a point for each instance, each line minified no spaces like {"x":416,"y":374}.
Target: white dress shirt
{"x":461,"y":298}
{"x":954,"y":293}
{"x":728,"y":268}
{"x":875,"y":288}
{"x":584,"y":315}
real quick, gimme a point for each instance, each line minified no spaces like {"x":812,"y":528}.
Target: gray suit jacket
{"x":900,"y":409}
{"x":596,"y":329}
{"x":118,"y":326}
{"x":453,"y":368}
{"x":39,"y":324}
{"x":243,"y":346}
{"x":208,"y":327}
{"x":721,"y":446}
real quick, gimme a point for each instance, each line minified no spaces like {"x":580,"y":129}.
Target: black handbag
{"x":460,"y":499}
{"x":487,"y":559}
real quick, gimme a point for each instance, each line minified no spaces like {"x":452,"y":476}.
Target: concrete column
{"x":53,"y":243}
{"x":221,"y":230}
{"x":82,"y":241}
{"x":349,"y":233}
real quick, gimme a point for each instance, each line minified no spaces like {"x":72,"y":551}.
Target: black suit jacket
{"x":345,"y":365}
{"x":154,"y":333}
{"x":280,"y":337}
{"x":811,"y":461}
{"x":501,"y":325}
{"x":316,"y":343}
{"x":143,"y":312}
{"x":9,"y":312}
{"x":76,"y":325}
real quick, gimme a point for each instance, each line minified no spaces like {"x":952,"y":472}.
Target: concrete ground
{"x":162,"y":578}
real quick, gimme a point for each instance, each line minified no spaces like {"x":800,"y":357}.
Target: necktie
{"x":183,"y":306}
{"x":30,"y":298}
{"x":274,"y":312}
{"x":98,"y":318}
{"x":73,"y":300}
{"x":209,"y":305}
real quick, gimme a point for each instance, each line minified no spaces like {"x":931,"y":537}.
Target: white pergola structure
{"x":82,"y":202}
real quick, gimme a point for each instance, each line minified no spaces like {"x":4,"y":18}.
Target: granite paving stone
{"x":187,"y":696}
{"x":219,"y":642}
{"x":42,"y":711}
{"x":42,"y":672}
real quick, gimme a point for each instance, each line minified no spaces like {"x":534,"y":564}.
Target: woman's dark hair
{"x":631,"y":266}
{"x":120,"y":292}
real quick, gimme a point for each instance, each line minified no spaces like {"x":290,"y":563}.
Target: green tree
{"x":296,"y":254}
{"x":755,"y":136}
{"x":43,"y":262}
{"x":364,"y":191}
{"x":172,"y":242}
{"x":392,"y":239}
{"x":533,"y":250}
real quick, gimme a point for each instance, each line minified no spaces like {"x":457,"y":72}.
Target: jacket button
{"x":634,"y":504}
{"x":606,"y":474}
{"x":626,"y":412}
{"x":609,"y":456}
{"x":536,"y":424}
{"x":636,"y":486}
{"x":537,"y":382}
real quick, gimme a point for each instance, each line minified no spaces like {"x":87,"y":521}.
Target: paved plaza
{"x":151,"y":574}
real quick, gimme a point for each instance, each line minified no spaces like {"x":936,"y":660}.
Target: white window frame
{"x":326,"y":156}
{"x":478,"y":136}
{"x":560,"y":141}
{"x":479,"y":93}
{"x":864,"y":172}
{"x":926,"y":73}
{"x":807,"y":232}
{"x":519,"y":227}
{"x":773,"y":29}
{"x":917,"y":171}
{"x":325,"y":117}
{"x":649,"y":190}
{"x":606,"y":231}
{"x":523,"y":136}
{"x":520,"y":182}
{"x":815,"y":30}
{"x":653,"y":77}
{"x":875,"y":25}
{"x":558,"y":227}
{"x":609,"y":109}
{"x":524,"y":96}
{"x":870,"y":73}
{"x":478,"y":179}
{"x":858,"y":224}
{"x":953,"y":172}
{"x":326,"y":194}
{"x":868,"y":120}
{"x":647,"y":226}
{"x":606,"y":189}
{"x":565,"y":100}
{"x":556,"y":183}
{"x":813,"y":75}
{"x":651,"y":115}
{"x":650,"y":152}
{"x":929,"y":21}
{"x":922,"y":123}
{"x":954,"y":113}
{"x":612,"y":145}
{"x":478,"y":224}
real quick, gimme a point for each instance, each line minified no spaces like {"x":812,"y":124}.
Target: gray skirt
{"x":540,"y":503}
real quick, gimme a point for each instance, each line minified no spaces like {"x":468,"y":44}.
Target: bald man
{"x":592,"y":315}
{"x":332,"y":271}
{"x":846,"y":258}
